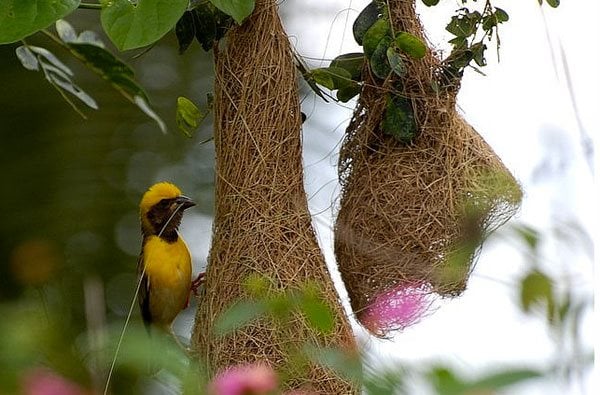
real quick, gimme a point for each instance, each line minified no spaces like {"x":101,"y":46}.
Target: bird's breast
{"x":168,"y":267}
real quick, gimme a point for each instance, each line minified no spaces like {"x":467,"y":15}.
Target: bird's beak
{"x":184,"y":201}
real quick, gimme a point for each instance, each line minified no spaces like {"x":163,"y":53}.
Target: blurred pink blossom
{"x":397,"y":308}
{"x":250,"y":379}
{"x":42,"y":381}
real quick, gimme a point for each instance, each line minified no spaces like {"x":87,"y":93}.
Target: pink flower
{"x":250,"y":379}
{"x":42,"y":381}
{"x":397,"y":308}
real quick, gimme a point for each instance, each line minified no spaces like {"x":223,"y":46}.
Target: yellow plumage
{"x":165,"y":264}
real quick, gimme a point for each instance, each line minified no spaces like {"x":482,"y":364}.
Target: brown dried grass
{"x":262,"y":224}
{"x":416,"y":213}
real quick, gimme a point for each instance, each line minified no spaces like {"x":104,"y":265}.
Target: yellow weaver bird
{"x":165,"y":264}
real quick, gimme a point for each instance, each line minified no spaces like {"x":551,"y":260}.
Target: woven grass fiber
{"x":415,"y":214}
{"x":262,"y":224}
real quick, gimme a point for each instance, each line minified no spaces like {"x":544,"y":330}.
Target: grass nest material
{"x":414,"y":213}
{"x":262,"y":224}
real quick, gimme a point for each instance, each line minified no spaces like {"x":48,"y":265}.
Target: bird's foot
{"x":198,"y":282}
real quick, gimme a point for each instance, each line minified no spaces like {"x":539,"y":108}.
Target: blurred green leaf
{"x":537,"y":288}
{"x":238,"y":9}
{"x":21,"y":18}
{"x":257,"y":285}
{"x":367,"y":17}
{"x":280,"y":305}
{"x":430,"y":3}
{"x":384,"y":383}
{"x":411,"y":45}
{"x":238,"y":315}
{"x":318,"y":314}
{"x":497,"y":381}
{"x":529,"y":235}
{"x":347,"y":364}
{"x":132,"y":25}
{"x":446,"y":382}
{"x":553,"y":3}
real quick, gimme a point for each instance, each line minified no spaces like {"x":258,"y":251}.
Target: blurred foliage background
{"x":70,"y":190}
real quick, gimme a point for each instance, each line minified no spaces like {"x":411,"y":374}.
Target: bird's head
{"x":161,"y":209}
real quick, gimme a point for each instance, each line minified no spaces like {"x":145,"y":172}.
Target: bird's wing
{"x":144,"y":291}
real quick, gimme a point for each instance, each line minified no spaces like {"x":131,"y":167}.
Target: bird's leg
{"x":198,"y":282}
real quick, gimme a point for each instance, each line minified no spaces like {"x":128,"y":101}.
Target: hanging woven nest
{"x":262,"y":225}
{"x":415,"y":208}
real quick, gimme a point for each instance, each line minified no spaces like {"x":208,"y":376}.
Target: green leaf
{"x":238,"y":315}
{"x":411,"y":45}
{"x":238,"y":9}
{"x":396,"y":62}
{"x":109,"y":67}
{"x":21,"y":18}
{"x":501,"y":15}
{"x":346,"y":93}
{"x":430,"y":3}
{"x":208,"y":26}
{"x":553,"y":3}
{"x":189,"y":116}
{"x":379,"y":60}
{"x":132,"y":26}
{"x":351,"y":62}
{"x":367,"y":17}
{"x":537,"y":288}
{"x":478,"y":51}
{"x":399,"y":120}
{"x":464,"y":25}
{"x":379,"y":30}
{"x":497,"y":381}
{"x":347,"y":364}
{"x":185,"y":30}
{"x":332,"y":77}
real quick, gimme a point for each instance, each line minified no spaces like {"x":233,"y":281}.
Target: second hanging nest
{"x":414,"y":209}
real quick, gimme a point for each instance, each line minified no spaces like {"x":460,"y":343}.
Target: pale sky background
{"x":522,"y":107}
